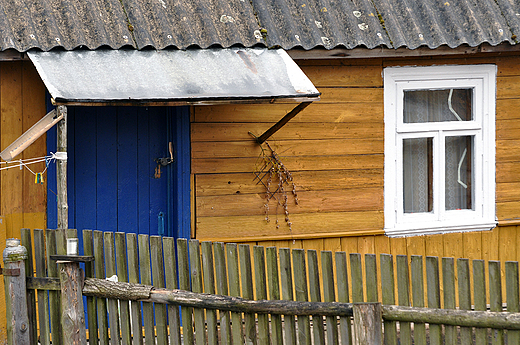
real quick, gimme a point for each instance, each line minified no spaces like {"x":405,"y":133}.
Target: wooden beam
{"x":61,"y":170}
{"x":261,"y":139}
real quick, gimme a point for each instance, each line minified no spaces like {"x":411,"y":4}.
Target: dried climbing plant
{"x":278,"y":183}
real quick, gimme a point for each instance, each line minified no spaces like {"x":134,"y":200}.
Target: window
{"x":439,"y":149}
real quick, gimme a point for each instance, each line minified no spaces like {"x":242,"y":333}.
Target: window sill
{"x":441,"y":229}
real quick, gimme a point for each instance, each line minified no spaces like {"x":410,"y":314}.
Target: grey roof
{"x":307,"y":24}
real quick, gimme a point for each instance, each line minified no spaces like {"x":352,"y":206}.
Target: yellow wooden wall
{"x":334,"y":149}
{"x":22,"y":202}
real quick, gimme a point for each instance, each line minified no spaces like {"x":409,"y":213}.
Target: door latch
{"x":167,"y":160}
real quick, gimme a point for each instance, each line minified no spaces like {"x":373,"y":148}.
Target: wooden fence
{"x":260,"y":284}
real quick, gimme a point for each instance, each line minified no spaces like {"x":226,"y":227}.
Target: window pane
{"x":437,"y":105}
{"x":417,"y":175}
{"x":459,"y":173}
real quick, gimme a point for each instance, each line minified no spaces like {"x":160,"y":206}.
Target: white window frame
{"x":480,"y":78}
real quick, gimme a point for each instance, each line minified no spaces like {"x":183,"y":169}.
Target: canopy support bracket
{"x":261,"y":139}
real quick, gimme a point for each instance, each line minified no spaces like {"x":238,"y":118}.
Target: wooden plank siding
{"x":334,"y":150}
{"x":22,"y":202}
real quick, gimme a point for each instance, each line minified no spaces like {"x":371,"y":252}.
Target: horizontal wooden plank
{"x":270,"y":113}
{"x":220,"y":228}
{"x":341,"y":200}
{"x":349,"y":95}
{"x":508,"y":192}
{"x":361,"y":76}
{"x":287,"y":148}
{"x":507,"y":109}
{"x":507,"y":172}
{"x":508,"y":87}
{"x":508,"y":210}
{"x":306,"y":163}
{"x":508,"y":150}
{"x":508,"y":129}
{"x":246,"y":183}
{"x":209,"y":131}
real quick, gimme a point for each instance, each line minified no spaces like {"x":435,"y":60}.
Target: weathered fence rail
{"x":234,"y":294}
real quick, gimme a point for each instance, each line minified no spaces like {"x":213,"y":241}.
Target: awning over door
{"x":172,"y":77}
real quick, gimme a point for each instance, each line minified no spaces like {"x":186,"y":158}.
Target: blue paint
{"x":111,"y":166}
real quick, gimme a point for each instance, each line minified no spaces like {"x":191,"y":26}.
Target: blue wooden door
{"x":114,"y":183}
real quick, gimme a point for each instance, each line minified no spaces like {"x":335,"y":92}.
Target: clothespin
{"x":38,"y":179}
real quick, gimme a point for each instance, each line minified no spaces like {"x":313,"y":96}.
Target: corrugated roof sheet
{"x":48,"y":24}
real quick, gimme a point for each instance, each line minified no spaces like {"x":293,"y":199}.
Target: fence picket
{"x":495,"y":298}
{"x":479,"y":296}
{"x":133,"y":277}
{"x":345,"y":327}
{"x":110,"y":269}
{"x":274,"y":293}
{"x":184,"y":284}
{"x":122,"y":274}
{"x":261,"y":293}
{"x":403,"y":296}
{"x":54,"y":296}
{"x":388,"y":296}
{"x":371,"y":277}
{"x":434,"y":295}
{"x":287,"y":294}
{"x":31,"y":294}
{"x":356,"y":274}
{"x":448,"y":282}
{"x":329,"y":295}
{"x":101,"y":303}
{"x":301,"y":294}
{"x":91,"y":301}
{"x":209,"y":287}
{"x":234,"y":290}
{"x":146,"y":279}
{"x":156,"y":251}
{"x":43,"y":300}
{"x":170,"y":268}
{"x":464,"y":297}
{"x":246,"y":276}
{"x":196,"y":286}
{"x":416,"y":264}
{"x":513,"y":337}
{"x":222,"y":289}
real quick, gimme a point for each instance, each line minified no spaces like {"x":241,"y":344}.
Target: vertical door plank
{"x":246,"y":276}
{"x":146,"y":279}
{"x":301,"y":294}
{"x":403,"y":296}
{"x":170,"y":268}
{"x":122,"y":274}
{"x":388,"y":296}
{"x":318,"y":331}
{"x":161,"y":321}
{"x":329,"y":295}
{"x":209,"y":287}
{"x":273,"y":280}
{"x":345,"y":327}
{"x":101,"y":303}
{"x":184,"y":284}
{"x":110,"y":267}
{"x":287,"y":294}
{"x":419,"y":332}
{"x":133,"y":277}
{"x":222,"y":289}
{"x":234,"y":290}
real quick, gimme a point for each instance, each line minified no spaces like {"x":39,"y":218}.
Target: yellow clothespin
{"x":38,"y":179}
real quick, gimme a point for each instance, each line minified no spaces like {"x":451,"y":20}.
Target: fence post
{"x":367,"y":324}
{"x":72,"y":312}
{"x":15,"y":293}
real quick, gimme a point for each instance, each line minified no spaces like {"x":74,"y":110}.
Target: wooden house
{"x":412,"y":149}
